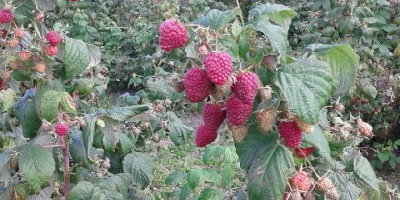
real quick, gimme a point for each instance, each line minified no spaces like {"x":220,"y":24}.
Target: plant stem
{"x":241,"y":13}
{"x":66,"y":166}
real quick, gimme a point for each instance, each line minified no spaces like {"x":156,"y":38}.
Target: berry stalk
{"x":66,"y":166}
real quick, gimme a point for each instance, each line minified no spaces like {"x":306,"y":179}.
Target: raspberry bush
{"x":275,"y":104}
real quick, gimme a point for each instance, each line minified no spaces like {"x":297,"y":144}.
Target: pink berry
{"x":214,"y":115}
{"x":290,"y":133}
{"x":51,"y":50}
{"x":205,"y":135}
{"x":61,"y":129}
{"x":172,"y":35}
{"x":219,"y":67}
{"x":237,"y":111}
{"x":197,"y":85}
{"x":246,"y":87}
{"x":52,"y":38}
{"x":6,"y":16}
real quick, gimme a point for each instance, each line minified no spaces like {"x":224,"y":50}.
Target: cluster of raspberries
{"x":53,"y":39}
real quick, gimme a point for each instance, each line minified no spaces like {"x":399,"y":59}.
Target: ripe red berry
{"x":3,"y":33}
{"x":51,"y":51}
{"x":237,"y":112}
{"x":24,"y":55}
{"x":365,"y":101}
{"x":205,"y":135}
{"x":52,"y":38}
{"x":246,"y":87}
{"x":290,"y":133}
{"x":301,"y":181}
{"x":172,"y":35}
{"x":304,"y":152}
{"x":214,"y":115}
{"x":6,"y":16}
{"x":61,"y":129}
{"x":219,"y":67}
{"x":197,"y":85}
{"x":19,"y":33}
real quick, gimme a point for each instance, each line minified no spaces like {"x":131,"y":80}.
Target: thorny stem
{"x":66,"y":166}
{"x":241,"y":15}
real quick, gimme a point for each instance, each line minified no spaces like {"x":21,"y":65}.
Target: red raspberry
{"x":19,"y":33}
{"x":40,"y":67}
{"x":24,"y":55}
{"x":290,"y":133}
{"x":6,"y":15}
{"x":197,"y":84}
{"x":51,"y":51}
{"x":301,"y":181}
{"x":304,"y":152}
{"x":52,"y":38}
{"x":205,"y":135}
{"x":61,"y":129}
{"x":172,"y":35}
{"x":3,"y":33}
{"x":214,"y":115}
{"x":237,"y":112}
{"x":324,"y":185}
{"x":246,"y":87}
{"x":219,"y":67}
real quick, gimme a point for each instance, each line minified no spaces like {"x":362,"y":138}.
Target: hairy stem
{"x":66,"y":166}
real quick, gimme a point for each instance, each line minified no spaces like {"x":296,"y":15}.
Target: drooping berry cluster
{"x":53,"y":39}
{"x":213,"y":116}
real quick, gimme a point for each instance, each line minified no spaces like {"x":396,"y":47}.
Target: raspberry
{"x":197,"y":85}
{"x":364,"y":128}
{"x":13,"y":42}
{"x":307,"y":128}
{"x":324,"y":184}
{"x":205,"y":135}
{"x":265,"y":93}
{"x":19,"y":33}
{"x":51,"y":51}
{"x":52,"y":38}
{"x":15,"y":64}
{"x":265,"y":119}
{"x":309,"y":196}
{"x":219,"y":67}
{"x":238,"y":132}
{"x":294,"y":195}
{"x":290,"y":133}
{"x":172,"y":35}
{"x":178,"y":85}
{"x":333,"y":194}
{"x":219,"y":91}
{"x":6,"y":15}
{"x":214,"y":115}
{"x":237,"y":112}
{"x":304,"y":152}
{"x":246,"y":87}
{"x":3,"y":33}
{"x":301,"y":181}
{"x":61,"y":129}
{"x":24,"y":55}
{"x":40,"y":67}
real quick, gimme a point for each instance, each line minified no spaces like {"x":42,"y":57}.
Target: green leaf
{"x":265,"y":160}
{"x":77,"y":148}
{"x":140,"y":166}
{"x":7,"y":98}
{"x":229,"y":44}
{"x":20,"y":75}
{"x":44,"y":5}
{"x":89,"y":131}
{"x":122,"y":114}
{"x":343,"y":61}
{"x":277,"y":13}
{"x":159,"y":88}
{"x":276,"y":34}
{"x":219,"y":19}
{"x":110,"y":137}
{"x":28,"y":117}
{"x":126,"y":143}
{"x":76,"y":58}
{"x":87,"y":191}
{"x":211,"y":194}
{"x":236,"y":29}
{"x":185,"y":192}
{"x":67,"y":103}
{"x":347,"y":189}
{"x":178,"y":129}
{"x":175,"y":177}
{"x":94,"y":55}
{"x":197,"y":177}
{"x":228,"y":172}
{"x":4,"y":167}
{"x":37,"y":165}
{"x":47,"y":103}
{"x":318,"y":139}
{"x":307,"y":86}
{"x":364,"y":174}
{"x":383,"y":156}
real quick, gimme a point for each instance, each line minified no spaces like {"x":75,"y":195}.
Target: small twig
{"x":66,"y":166}
{"x":241,"y":14}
